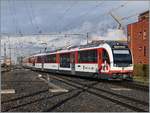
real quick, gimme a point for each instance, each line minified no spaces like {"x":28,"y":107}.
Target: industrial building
{"x":138,"y":39}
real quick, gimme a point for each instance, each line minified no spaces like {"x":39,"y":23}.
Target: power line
{"x":85,"y":14}
{"x":35,"y":20}
{"x":120,"y":6}
{"x":106,"y":13}
{"x":14,"y":9}
{"x":35,"y":34}
{"x":68,"y":9}
{"x":133,"y":15}
{"x":29,"y":15}
{"x":60,"y":19}
{"x":13,"y":16}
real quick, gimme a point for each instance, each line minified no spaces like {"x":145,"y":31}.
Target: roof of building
{"x":144,"y":13}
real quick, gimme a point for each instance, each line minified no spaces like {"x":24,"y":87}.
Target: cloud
{"x":47,"y":14}
{"x":111,"y":34}
{"x":33,"y":43}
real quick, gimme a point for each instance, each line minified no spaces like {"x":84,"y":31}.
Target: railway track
{"x":131,"y":103}
{"x":110,"y":92}
{"x":31,"y":101}
{"x":132,"y":85}
{"x":125,"y":101}
{"x":127,"y":84}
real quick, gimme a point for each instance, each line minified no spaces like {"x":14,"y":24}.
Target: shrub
{"x":141,"y":70}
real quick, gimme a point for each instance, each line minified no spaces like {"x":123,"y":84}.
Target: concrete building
{"x":138,"y":39}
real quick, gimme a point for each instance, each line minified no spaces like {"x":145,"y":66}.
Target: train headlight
{"x":131,"y":65}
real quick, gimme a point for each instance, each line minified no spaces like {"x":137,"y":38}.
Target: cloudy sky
{"x":34,"y":16}
{"x":28,"y":17}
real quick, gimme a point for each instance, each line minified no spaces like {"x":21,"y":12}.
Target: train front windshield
{"x":122,"y":57}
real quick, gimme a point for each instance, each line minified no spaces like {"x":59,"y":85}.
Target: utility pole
{"x":0,"y":57}
{"x":9,"y":50}
{"x":4,"y":52}
{"x":87,"y":37}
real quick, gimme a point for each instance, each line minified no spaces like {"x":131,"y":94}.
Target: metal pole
{"x":0,"y":60}
{"x":87,"y":37}
{"x":9,"y":50}
{"x":4,"y":52}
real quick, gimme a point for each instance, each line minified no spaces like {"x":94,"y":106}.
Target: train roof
{"x":116,"y":43}
{"x":87,"y":46}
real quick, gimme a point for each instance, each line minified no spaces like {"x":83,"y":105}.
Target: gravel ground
{"x":32,"y":94}
{"x":130,"y":92}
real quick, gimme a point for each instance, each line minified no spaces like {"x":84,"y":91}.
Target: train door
{"x":105,"y":65}
{"x":104,"y":61}
{"x":72,"y":56}
{"x":33,"y":61}
{"x":42,"y":63}
{"x":99,"y":58}
{"x":105,"y":57}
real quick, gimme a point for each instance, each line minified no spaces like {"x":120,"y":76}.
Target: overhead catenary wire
{"x":60,"y":19}
{"x":20,"y":32}
{"x":120,"y":6}
{"x":15,"y":14}
{"x":35,"y":19}
{"x":127,"y":17}
{"x":29,"y":15}
{"x":68,"y":9}
{"x":7,"y":12}
{"x":87,"y":12}
{"x":108,"y":12}
{"x":12,"y":12}
{"x":105,"y":13}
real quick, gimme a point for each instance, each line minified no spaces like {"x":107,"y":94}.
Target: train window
{"x":88,"y":56}
{"x":53,"y":58}
{"x":35,"y":59}
{"x":121,"y":51}
{"x":29,"y":60}
{"x":45,"y":59}
{"x":65,"y":60}
{"x":39,"y":59}
{"x":122,"y":57}
{"x":50,"y":58}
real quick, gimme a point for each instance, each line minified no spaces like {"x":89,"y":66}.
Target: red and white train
{"x":106,"y":60}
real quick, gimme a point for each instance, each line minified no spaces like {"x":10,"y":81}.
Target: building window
{"x":140,"y":34}
{"x":144,"y":50}
{"x":144,"y":34}
{"x":140,"y":48}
